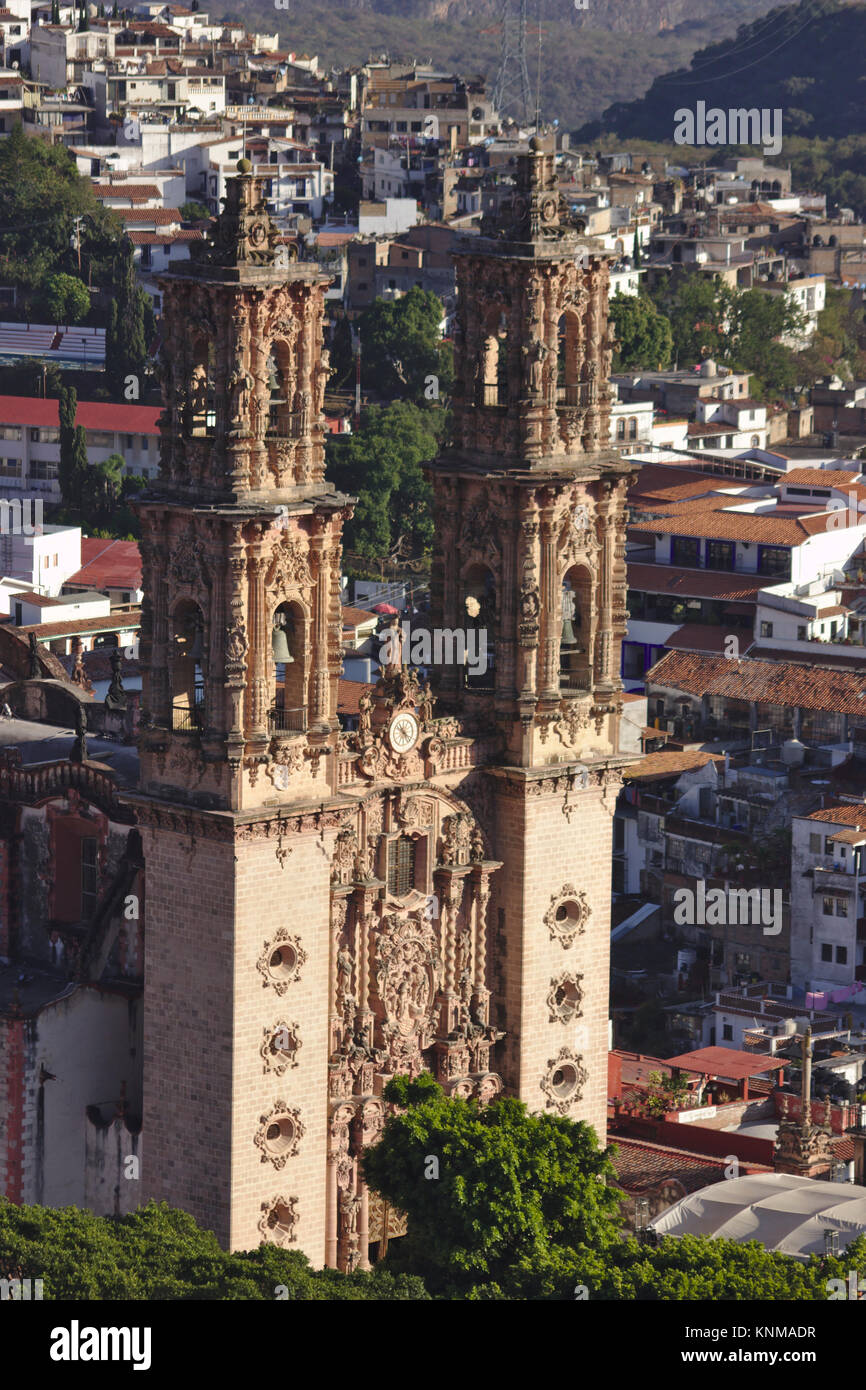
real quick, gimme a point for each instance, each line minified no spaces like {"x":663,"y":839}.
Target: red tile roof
{"x":108,"y":564}
{"x":114,"y":622}
{"x":93,"y":415}
{"x":640,"y":1166}
{"x":846,"y":813}
{"x":820,"y":477}
{"x":160,"y":217}
{"x":656,"y":767}
{"x":761,"y":529}
{"x":354,"y":617}
{"x":768,"y":682}
{"x":700,"y":637}
{"x":349,"y":694}
{"x":671,"y":579}
{"x":727,"y":1062}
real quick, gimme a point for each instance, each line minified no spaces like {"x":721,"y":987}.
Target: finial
{"x":244,"y":166}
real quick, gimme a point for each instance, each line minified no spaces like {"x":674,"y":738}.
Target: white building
{"x":40,"y":563}
{"x":828,"y":880}
{"x":809,"y":295}
{"x":30,"y":442}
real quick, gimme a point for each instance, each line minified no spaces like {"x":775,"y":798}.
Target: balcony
{"x":187,"y":721}
{"x":577,"y":393}
{"x":287,"y":720}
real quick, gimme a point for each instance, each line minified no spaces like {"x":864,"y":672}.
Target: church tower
{"x":529,"y":561}
{"x":240,"y":663}
{"x":326,"y":909}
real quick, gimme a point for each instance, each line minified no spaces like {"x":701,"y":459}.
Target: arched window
{"x":281,"y":417}
{"x":755,"y":441}
{"x":632,"y":428}
{"x":568,"y":359}
{"x":202,"y":404}
{"x":187,"y":657}
{"x":620,"y":428}
{"x":575,"y":644}
{"x":479,"y":613}
{"x":494,"y":360}
{"x":289,"y":651}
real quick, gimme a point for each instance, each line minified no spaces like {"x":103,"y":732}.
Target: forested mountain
{"x":805,"y":59}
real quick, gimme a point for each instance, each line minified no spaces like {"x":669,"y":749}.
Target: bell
{"x":279,"y":641}
{"x":196,"y":650}
{"x":568,"y":637}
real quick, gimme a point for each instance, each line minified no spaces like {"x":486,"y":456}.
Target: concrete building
{"x":30,"y":441}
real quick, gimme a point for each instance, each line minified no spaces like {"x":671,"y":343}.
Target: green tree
{"x":102,"y":489}
{"x":191,"y":211}
{"x":510,"y":1201}
{"x":73,"y":449}
{"x":695,"y":1268}
{"x":401,"y":347}
{"x":636,"y":256}
{"x":126,"y":338}
{"x":696,"y":308}
{"x":160,"y":1253}
{"x":754,"y":324}
{"x":41,"y":193}
{"x":381,"y":464}
{"x":644,"y":335}
{"x":66,"y":298}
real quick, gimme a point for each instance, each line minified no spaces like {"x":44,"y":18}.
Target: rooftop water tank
{"x":708,"y":368}
{"x":793,"y":752}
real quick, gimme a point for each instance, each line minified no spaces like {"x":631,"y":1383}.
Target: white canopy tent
{"x":786,"y":1213}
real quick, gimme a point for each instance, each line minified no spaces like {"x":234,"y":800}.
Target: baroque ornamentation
{"x":281,"y":961}
{"x":568,"y":914}
{"x":279,"y":1134}
{"x":280,"y":1047}
{"x":564,"y":1080}
{"x":565,"y":997}
{"x":279,"y":1219}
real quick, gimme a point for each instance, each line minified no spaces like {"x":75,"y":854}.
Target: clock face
{"x":403,"y":732}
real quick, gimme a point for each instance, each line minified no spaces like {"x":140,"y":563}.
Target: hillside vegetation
{"x":805,"y":59}
{"x":590,"y":58}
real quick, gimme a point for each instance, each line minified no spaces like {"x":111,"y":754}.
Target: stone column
{"x":331,"y":1223}
{"x":551,"y":609}
{"x":259,"y":659}
{"x":320,"y":556}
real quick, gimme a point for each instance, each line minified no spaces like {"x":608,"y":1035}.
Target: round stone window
{"x":280,"y":1135}
{"x":564,"y":1081}
{"x":284,"y":961}
{"x":567,"y":998}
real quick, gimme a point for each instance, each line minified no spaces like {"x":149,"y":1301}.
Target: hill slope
{"x":805,"y":59}
{"x":590,"y":57}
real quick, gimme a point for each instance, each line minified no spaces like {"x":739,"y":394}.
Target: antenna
{"x":511,"y":89}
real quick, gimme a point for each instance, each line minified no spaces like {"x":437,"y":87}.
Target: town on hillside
{"x":432,"y":670}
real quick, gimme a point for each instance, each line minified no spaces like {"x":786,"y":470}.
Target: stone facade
{"x":432,"y":890}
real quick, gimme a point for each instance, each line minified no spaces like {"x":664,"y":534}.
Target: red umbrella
{"x":385,"y":608}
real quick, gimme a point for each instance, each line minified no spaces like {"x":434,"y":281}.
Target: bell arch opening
{"x":186,"y":673}
{"x":289,"y":648}
{"x":282,"y":418}
{"x":568,"y":339}
{"x":575,"y":641}
{"x":479,"y":636}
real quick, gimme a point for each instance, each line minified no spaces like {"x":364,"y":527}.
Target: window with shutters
{"x":401,"y":866}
